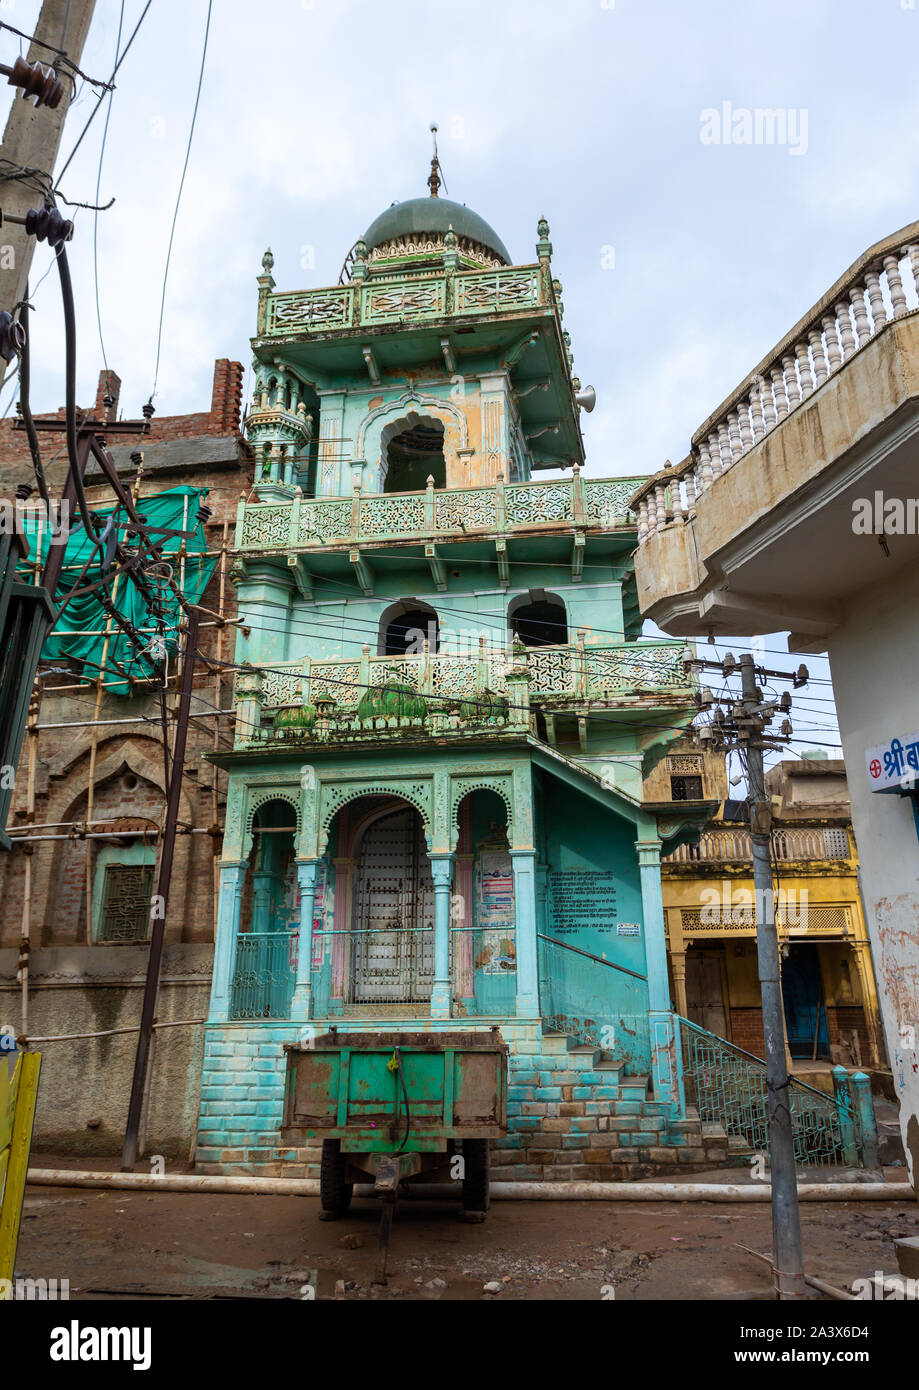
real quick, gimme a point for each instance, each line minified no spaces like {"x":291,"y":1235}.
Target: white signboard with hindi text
{"x":893,"y":765}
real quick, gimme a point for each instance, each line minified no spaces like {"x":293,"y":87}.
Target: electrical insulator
{"x":148,"y":411}
{"x":12,"y":335}
{"x":203,"y":514}
{"x":786,"y":728}
{"x":47,"y":224}
{"x":24,"y":492}
{"x":802,"y":677}
{"x":785,"y":702}
{"x":41,"y":83}
{"x":729,"y":665}
{"x":707,"y":698}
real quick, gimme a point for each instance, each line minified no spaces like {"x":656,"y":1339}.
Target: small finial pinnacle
{"x":435,"y":178}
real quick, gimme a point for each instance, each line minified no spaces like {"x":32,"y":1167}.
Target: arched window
{"x":538,"y":619}
{"x":413,"y":455}
{"x":404,"y":628}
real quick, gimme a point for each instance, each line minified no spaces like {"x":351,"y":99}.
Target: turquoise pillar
{"x":863,"y":1106}
{"x":232,"y":874}
{"x":524,"y":866}
{"x":442,"y":874}
{"x":301,"y":1005}
{"x":666,"y":1069}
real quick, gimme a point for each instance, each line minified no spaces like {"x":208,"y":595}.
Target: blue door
{"x":805,"y":1012}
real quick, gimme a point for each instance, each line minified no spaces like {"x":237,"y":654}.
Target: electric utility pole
{"x":744,"y":726}
{"x":157,"y":935}
{"x":32,"y":136}
{"x":788,"y":1253}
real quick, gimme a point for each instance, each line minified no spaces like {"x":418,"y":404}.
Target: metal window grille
{"x":126,"y":894}
{"x":686,"y":788}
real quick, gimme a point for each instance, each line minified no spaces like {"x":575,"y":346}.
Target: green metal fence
{"x":264,"y":976}
{"x":728,"y":1086}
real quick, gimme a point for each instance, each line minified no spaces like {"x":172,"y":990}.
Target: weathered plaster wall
{"x":877,"y":643}
{"x":85,"y":1085}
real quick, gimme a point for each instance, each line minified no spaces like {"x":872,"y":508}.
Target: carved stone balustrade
{"x":561,"y":504}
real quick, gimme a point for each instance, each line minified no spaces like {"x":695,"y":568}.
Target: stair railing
{"x":728,"y":1087}
{"x":575,"y":992}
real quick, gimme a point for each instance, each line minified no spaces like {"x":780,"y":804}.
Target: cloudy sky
{"x":683,"y":257}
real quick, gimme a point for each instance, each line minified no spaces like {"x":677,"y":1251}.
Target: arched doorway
{"x":413,"y":455}
{"x":538,"y":619}
{"x":265,"y":961}
{"x":406,"y":626}
{"x":392,"y":942}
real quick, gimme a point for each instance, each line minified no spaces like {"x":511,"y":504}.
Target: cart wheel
{"x":334,"y":1192}
{"x":475,"y":1180}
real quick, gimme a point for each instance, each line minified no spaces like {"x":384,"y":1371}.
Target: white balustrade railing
{"x":793,"y":845}
{"x":881,"y":287}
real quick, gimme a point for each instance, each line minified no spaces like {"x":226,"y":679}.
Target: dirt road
{"x":141,"y":1245}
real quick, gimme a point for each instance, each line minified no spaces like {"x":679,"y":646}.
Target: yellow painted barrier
{"x":18,"y":1094}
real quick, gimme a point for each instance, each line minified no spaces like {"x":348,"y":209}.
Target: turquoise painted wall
{"x":593,"y":891}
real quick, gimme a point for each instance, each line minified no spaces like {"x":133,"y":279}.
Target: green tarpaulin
{"x":79,"y":633}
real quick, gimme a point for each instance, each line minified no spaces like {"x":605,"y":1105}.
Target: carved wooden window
{"x":126,"y":896}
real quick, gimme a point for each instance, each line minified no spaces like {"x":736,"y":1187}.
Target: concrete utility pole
{"x":786,"y":1225}
{"x":32,"y":137}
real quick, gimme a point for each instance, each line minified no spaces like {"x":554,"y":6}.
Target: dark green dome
{"x":393,"y":699}
{"x":434,"y":215}
{"x":486,"y":706}
{"x":295,"y":717}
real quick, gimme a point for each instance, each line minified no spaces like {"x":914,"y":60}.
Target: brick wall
{"x":222,"y":418}
{"x":202,"y":449}
{"x":747,"y":1030}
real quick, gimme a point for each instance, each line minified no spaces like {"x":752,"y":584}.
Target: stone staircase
{"x":573,"y":1115}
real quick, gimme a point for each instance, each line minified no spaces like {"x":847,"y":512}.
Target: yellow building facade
{"x":828,"y":984}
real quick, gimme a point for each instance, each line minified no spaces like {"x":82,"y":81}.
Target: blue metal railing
{"x":728,"y":1086}
{"x":577,"y":996}
{"x":264,"y":976}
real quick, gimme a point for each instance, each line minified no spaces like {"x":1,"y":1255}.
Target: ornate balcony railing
{"x":881,"y":287}
{"x":490,"y":687}
{"x":556,"y":504}
{"x":434,"y":296}
{"x":796,"y":844}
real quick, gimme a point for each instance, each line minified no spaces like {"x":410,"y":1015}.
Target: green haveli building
{"x":445,"y":712}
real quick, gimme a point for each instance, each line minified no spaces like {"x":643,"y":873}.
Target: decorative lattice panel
{"x":126,"y":895}
{"x":606,"y":503}
{"x":528,"y":504}
{"x":265,"y":528}
{"x":472,"y":510}
{"x":338,"y":679}
{"x":399,"y":515}
{"x":309,"y":309}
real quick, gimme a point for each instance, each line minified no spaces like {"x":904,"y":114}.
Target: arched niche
{"x":410,"y":412}
{"x":405,"y":626}
{"x":538,"y":619}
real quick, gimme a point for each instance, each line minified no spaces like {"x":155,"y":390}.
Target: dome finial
{"x":435,"y":178}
